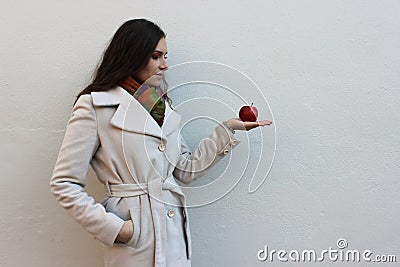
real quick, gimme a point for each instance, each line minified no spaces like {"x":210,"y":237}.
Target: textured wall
{"x":329,"y":69}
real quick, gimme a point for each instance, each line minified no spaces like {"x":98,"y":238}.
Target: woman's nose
{"x":164,"y":64}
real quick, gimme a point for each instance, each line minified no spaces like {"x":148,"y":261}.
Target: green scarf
{"x":152,"y":98}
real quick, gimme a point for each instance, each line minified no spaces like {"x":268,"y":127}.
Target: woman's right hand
{"x":126,"y":232}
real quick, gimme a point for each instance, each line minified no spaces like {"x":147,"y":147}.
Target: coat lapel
{"x":132,"y":116}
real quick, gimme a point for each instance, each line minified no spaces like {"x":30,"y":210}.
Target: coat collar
{"x":132,"y":116}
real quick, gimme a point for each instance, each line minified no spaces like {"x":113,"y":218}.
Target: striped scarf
{"x":152,"y":98}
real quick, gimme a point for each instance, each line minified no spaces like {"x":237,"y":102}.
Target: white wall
{"x":329,"y":69}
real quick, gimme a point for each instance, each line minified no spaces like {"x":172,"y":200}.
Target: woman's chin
{"x":154,"y":81}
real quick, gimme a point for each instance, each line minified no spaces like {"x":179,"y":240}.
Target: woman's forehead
{"x":162,"y":46}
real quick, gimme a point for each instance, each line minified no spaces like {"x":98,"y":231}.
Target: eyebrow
{"x":160,"y":52}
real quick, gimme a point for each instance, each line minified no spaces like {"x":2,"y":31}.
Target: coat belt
{"x":134,"y":190}
{"x":154,"y":189}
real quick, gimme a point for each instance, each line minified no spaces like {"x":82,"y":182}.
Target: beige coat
{"x":136,"y":160}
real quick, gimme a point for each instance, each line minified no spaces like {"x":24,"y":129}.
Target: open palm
{"x":238,"y":124}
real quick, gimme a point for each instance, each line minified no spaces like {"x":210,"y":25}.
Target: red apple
{"x":248,"y":113}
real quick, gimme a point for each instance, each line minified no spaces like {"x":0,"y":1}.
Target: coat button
{"x":161,"y":147}
{"x":234,"y":142}
{"x":226,"y":151}
{"x":170,"y":213}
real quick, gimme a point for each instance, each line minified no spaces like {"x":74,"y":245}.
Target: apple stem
{"x":251,"y":104}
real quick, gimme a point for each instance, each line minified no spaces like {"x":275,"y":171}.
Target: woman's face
{"x":153,"y":72}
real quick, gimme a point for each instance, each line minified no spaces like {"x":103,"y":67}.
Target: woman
{"x":121,"y":125}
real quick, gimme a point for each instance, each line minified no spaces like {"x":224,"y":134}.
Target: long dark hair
{"x":128,"y":52}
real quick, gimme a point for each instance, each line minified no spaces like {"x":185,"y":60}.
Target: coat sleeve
{"x":68,"y":180}
{"x":191,"y":166}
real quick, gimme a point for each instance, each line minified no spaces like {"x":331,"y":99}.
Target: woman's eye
{"x":157,"y":56}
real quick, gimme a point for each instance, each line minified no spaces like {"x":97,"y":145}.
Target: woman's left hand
{"x":238,"y":124}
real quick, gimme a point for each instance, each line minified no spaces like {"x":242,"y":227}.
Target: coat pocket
{"x":135,"y":217}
